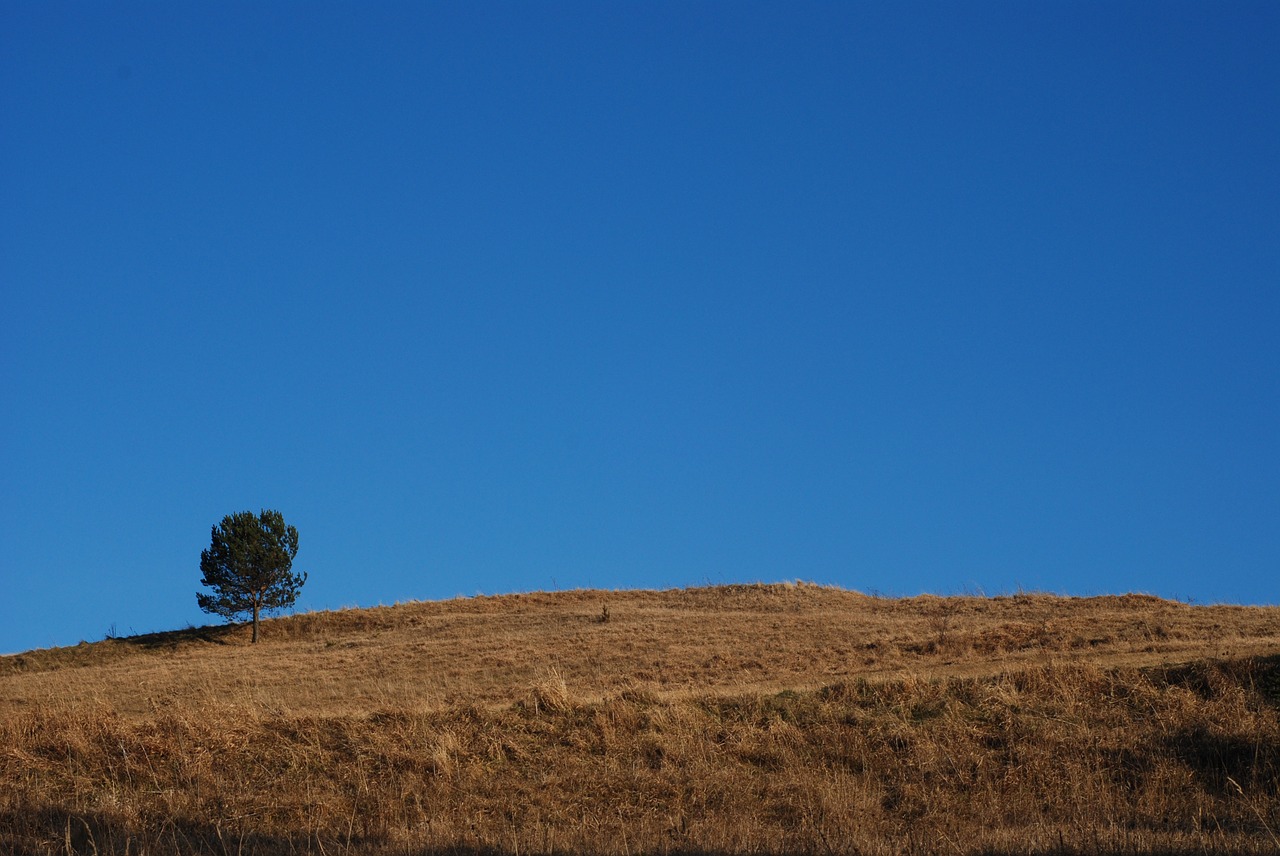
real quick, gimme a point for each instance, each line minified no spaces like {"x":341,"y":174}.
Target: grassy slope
{"x":730,"y":719}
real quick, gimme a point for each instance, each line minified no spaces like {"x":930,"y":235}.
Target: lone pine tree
{"x":248,"y":566}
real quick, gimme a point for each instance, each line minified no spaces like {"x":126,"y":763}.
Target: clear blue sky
{"x":491,"y":297}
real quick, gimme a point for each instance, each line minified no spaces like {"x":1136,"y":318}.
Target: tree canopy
{"x":248,"y":566}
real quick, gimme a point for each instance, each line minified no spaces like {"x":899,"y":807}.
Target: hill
{"x":734,"y":719}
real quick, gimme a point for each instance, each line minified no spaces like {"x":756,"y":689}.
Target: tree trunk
{"x":255,"y":624}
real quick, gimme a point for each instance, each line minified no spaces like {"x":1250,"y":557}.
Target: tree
{"x":248,"y":566}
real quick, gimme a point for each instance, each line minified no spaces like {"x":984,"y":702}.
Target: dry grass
{"x":775,"y":719}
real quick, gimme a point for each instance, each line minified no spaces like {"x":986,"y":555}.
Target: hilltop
{"x":752,"y":718}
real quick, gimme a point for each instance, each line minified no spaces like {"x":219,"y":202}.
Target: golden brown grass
{"x":764,"y":719}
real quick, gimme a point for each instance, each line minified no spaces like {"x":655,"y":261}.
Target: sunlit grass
{"x":782,"y":718}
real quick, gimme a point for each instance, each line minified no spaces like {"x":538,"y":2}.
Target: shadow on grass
{"x":215,"y":634}
{"x":1227,"y":765}
{"x":1261,"y":675}
{"x":55,"y":830}
{"x":114,"y":648}
{"x":49,"y":831}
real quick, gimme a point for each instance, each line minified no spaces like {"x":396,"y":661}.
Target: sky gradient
{"x":491,"y":297}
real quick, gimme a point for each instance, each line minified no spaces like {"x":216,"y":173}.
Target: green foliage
{"x":249,"y":566}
